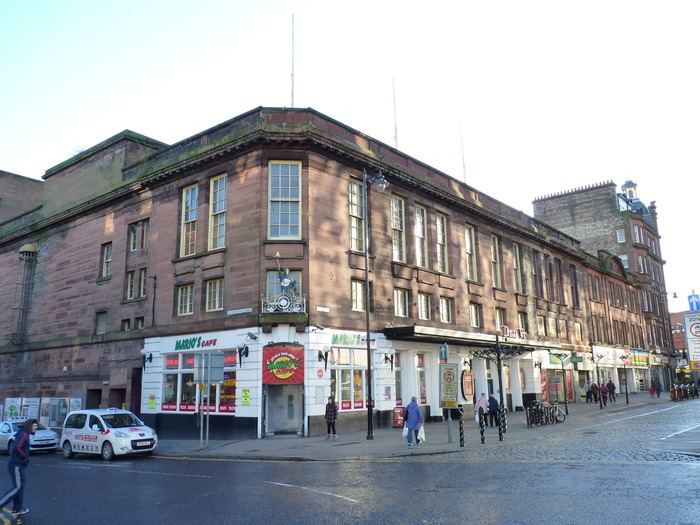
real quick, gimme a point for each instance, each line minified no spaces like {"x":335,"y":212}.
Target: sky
{"x":520,"y":99}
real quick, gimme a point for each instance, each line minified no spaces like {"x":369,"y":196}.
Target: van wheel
{"x":107,"y":451}
{"x":67,"y":450}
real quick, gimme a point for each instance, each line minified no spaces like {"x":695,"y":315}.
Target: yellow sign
{"x":245,"y":397}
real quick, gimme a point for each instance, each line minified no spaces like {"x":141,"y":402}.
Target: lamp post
{"x":624,"y":358}
{"x":561,"y":358}
{"x":381,"y":184}
{"x":596,"y":358}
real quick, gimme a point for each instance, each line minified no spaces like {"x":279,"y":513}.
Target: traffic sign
{"x":444,"y":352}
{"x":694,"y":302}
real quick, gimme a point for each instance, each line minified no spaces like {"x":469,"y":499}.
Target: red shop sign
{"x":283,"y":364}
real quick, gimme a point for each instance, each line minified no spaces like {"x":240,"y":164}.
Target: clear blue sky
{"x":535,"y":96}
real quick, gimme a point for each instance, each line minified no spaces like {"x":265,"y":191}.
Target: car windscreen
{"x":122,"y":420}
{"x":17,"y":426}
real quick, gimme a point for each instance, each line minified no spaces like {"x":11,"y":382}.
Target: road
{"x":609,"y":472}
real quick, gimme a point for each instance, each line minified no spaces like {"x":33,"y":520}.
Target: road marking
{"x":169,"y":474}
{"x":680,"y":432}
{"x":312,"y":490}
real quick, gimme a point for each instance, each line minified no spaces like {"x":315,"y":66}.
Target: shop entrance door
{"x":283,"y":409}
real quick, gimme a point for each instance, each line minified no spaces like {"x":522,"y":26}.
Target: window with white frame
{"x":522,"y":321}
{"x":185,"y":299}
{"x":421,"y":379}
{"x":441,"y":241}
{"x":421,"y":237}
{"x":470,"y":255}
{"x":500,"y":318}
{"x":106,"y":260}
{"x":357,"y":295}
{"x":400,"y":302}
{"x":624,"y":260}
{"x":143,"y":282}
{"x":637,"y":234}
{"x":496,"y":262}
{"x":620,"y":233}
{"x":398,"y":229}
{"x":134,"y":230}
{"x":445,"y":309}
{"x":356,"y":209}
{"x":130,"y":284}
{"x":285,"y":200}
{"x":188,"y":227}
{"x":132,"y":237}
{"x":348,"y":371}
{"x":215,"y":295}
{"x":475,"y":315}
{"x":424,"y":308}
{"x":218,"y":193}
{"x":274,"y":287}
{"x":518,"y":268}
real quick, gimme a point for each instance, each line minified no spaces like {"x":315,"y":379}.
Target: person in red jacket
{"x":17,"y":467}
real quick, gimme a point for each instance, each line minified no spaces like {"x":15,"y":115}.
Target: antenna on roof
{"x":292,"y":105}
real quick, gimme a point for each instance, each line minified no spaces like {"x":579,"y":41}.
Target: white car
{"x":42,"y":440}
{"x":108,"y":432}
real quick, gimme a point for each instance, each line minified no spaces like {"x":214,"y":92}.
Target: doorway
{"x":283,"y":409}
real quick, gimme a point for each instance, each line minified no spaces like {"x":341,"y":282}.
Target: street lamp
{"x":561,"y":358}
{"x":381,"y":184}
{"x":596,"y":358}
{"x":624,"y":358}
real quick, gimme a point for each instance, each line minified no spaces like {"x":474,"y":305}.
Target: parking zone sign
{"x":692,"y":338}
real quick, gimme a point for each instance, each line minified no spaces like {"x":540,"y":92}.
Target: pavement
{"x":388,"y":442}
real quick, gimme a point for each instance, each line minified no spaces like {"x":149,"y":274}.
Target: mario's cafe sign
{"x":283,"y":364}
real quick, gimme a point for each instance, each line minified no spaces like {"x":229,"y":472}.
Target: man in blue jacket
{"x":17,"y":466}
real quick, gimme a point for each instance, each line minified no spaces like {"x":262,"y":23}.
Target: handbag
{"x":476,"y":417}
{"x":405,"y":432}
{"x":421,"y":433}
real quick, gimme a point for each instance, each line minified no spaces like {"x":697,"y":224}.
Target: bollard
{"x":502,"y":426}
{"x":482,"y":425}
{"x":461,"y":431}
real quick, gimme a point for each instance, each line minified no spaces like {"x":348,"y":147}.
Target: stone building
{"x":246,"y":243}
{"x":622,"y":225}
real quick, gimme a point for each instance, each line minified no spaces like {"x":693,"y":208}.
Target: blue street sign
{"x":444,"y":352}
{"x":694,"y":302}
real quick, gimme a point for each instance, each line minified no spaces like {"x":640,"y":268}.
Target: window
{"x":522,"y":321}
{"x":138,"y":323}
{"x":145,"y":230}
{"x":398,"y":221}
{"x":595,"y":288}
{"x":620,"y":233}
{"x":274,"y":287}
{"x":217,"y":212}
{"x":518,"y":268}
{"x":575,"y":299}
{"x":424,"y":309}
{"x":637,"y":234}
{"x":421,"y":237}
{"x":101,"y":323}
{"x":496,"y":262}
{"x":421,"y":379}
{"x":474,"y":315}
{"x":132,"y":237}
{"x":348,"y":377}
{"x":357,"y":295}
{"x":285,"y":200}
{"x":442,"y":259}
{"x":126,"y":325}
{"x":143,"y":282}
{"x":641,"y":260}
{"x":470,"y":256}
{"x":130,"y":284}
{"x":537,"y":276}
{"x":624,"y":260}
{"x":400,"y":302}
{"x":106,"y":260}
{"x":500,"y":318}
{"x":188,"y":241}
{"x":185,"y":299}
{"x":133,"y":231}
{"x":445,"y":309}
{"x":215,"y":295}
{"x":356,"y":207}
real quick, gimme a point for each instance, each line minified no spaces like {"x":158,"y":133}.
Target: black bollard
{"x":482,"y":425}
{"x":461,"y":431}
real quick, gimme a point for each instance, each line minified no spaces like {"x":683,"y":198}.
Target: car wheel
{"x":107,"y":451}
{"x":9,"y":447}
{"x":67,"y":450}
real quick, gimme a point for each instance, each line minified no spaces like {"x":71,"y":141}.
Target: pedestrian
{"x":482,"y":402}
{"x":651,"y":391}
{"x":604,"y":394}
{"x":17,"y":467}
{"x":587,"y":389}
{"x":331,"y":418}
{"x":657,"y":386}
{"x":611,"y":391}
{"x":493,"y":411}
{"x":595,"y":392}
{"x":413,"y":420}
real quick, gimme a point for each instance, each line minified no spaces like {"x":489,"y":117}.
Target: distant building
{"x":134,"y":258}
{"x":621,"y":224}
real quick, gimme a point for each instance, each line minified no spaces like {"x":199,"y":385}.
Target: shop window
{"x":348,"y":377}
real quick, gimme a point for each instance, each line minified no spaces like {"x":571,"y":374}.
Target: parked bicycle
{"x":540,"y":413}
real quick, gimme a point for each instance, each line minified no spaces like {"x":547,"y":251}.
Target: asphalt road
{"x":615,"y":471}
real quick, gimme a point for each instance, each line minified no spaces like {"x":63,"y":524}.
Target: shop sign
{"x":350,"y":340}
{"x":283,"y":364}
{"x":194,"y":343}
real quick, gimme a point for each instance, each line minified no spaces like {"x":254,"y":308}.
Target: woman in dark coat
{"x":331,"y":417}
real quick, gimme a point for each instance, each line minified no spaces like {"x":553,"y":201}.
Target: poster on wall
{"x":283,"y":364}
{"x":12,"y":407}
{"x":30,"y":407}
{"x":467,"y":385}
